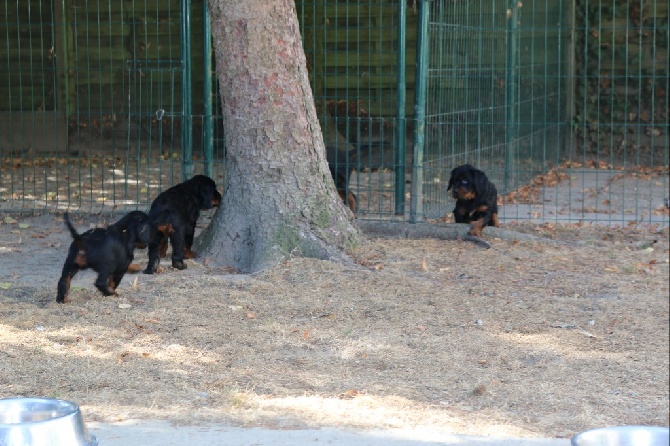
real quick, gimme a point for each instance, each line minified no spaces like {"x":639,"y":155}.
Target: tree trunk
{"x":279,"y":198}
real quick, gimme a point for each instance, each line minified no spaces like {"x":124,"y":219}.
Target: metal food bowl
{"x":42,"y":421}
{"x":624,"y":436}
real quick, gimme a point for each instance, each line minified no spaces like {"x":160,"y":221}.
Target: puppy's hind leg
{"x":64,"y":284}
{"x":105,"y":283}
{"x":116,"y":279}
{"x":154,"y":252}
{"x":177,"y":242}
{"x":70,"y":268}
{"x":189,"y":235}
{"x":164,"y":232}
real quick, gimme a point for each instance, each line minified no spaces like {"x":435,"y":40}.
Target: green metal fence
{"x":98,"y":110}
{"x":496,"y":77}
{"x":512,"y":87}
{"x":563,"y":103}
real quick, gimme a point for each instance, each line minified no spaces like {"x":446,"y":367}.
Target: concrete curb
{"x":155,"y":433}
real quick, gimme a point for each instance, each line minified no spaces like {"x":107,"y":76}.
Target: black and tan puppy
{"x":340,"y":169}
{"x":173,"y":215}
{"x":476,"y":198}
{"x":341,"y":178}
{"x":108,"y":251}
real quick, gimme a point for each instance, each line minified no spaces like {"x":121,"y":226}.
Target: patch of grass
{"x":241,"y":400}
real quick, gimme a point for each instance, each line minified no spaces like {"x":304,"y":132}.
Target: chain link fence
{"x":563,"y":104}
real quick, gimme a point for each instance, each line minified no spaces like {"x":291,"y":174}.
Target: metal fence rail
{"x":563,"y":103}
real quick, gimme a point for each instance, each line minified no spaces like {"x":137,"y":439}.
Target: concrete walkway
{"x":155,"y":433}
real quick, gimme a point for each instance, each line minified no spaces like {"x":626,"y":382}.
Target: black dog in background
{"x":173,"y":215}
{"x":108,"y":251}
{"x":341,"y":178}
{"x":476,"y":198}
{"x":340,"y":169}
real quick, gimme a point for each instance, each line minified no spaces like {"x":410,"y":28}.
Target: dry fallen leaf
{"x":479,"y":390}
{"x":351,"y":394}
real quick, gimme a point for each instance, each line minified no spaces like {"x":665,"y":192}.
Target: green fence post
{"x":570,"y":38}
{"x":64,"y":57}
{"x":401,"y":149}
{"x":207,"y":137}
{"x":511,"y":126}
{"x":416,"y":199}
{"x":186,"y":119}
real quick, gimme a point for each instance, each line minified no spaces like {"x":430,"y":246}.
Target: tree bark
{"x":279,"y":198}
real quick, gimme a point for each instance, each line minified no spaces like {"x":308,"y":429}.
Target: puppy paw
{"x":475,"y":232}
{"x":188,"y":254}
{"x":178,"y":264}
{"x":134,"y":268}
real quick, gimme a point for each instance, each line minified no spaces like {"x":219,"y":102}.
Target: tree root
{"x":454,"y":231}
{"x":477,"y":240}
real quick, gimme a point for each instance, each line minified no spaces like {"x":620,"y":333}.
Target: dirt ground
{"x":525,"y":339}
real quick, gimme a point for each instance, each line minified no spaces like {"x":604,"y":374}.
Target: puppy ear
{"x":131,"y":230}
{"x":479,"y":181}
{"x":451,"y":180}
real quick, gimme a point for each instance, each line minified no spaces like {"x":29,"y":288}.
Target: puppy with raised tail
{"x":108,"y":251}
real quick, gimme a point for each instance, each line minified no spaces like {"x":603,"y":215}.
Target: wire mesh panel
{"x":618,"y":107}
{"x":563,"y":104}
{"x":352,"y":56}
{"x":93,"y":103}
{"x":466,"y":105}
{"x":30,"y":120}
{"x":494,"y":85}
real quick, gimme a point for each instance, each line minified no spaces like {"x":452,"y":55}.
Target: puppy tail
{"x":73,"y":231}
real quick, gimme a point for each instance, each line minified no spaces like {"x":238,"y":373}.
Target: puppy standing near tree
{"x":174,"y":214}
{"x":341,"y":178}
{"x":108,"y":251}
{"x":476,"y":198}
{"x":340,"y":169}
